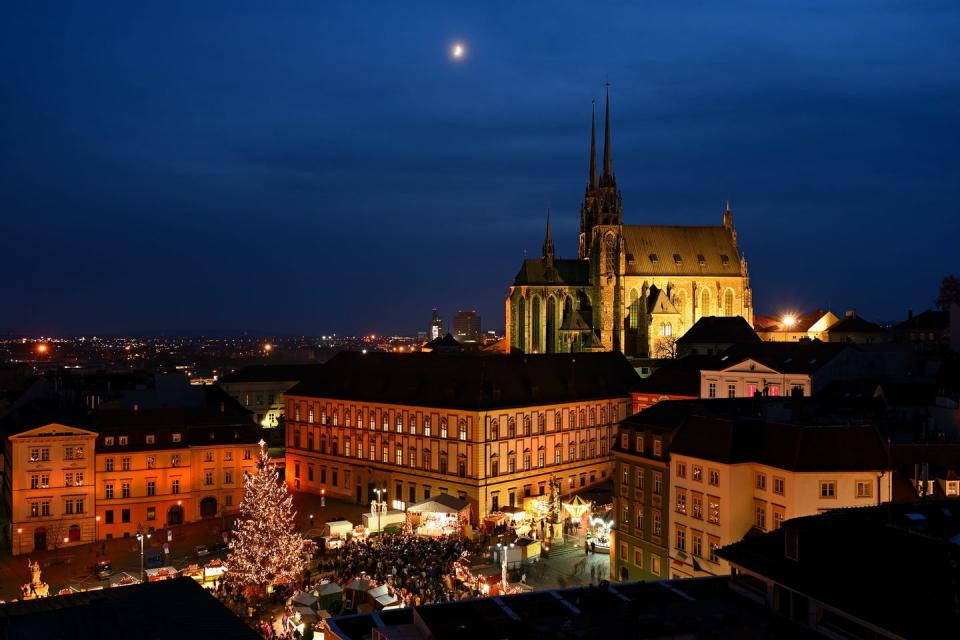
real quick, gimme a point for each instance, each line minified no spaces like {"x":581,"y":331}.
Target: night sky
{"x":326,"y":167}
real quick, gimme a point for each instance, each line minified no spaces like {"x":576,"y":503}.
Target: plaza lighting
{"x":141,"y":537}
{"x":789,"y":321}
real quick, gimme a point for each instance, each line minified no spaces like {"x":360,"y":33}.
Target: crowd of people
{"x":416,"y":569}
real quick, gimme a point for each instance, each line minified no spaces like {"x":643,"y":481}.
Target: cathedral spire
{"x":548,"y":241}
{"x":593,"y":143}
{"x":607,"y":148}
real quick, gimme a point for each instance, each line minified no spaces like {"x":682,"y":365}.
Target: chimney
{"x":909,"y":314}
{"x":851,"y":313}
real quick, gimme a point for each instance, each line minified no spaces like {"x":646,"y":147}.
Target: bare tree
{"x":665,"y":348}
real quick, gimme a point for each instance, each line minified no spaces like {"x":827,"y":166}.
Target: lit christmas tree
{"x":266,"y":548}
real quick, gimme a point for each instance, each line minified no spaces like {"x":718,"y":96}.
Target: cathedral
{"x":633,"y":288}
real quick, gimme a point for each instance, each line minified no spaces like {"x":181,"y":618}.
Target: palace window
{"x":426,"y":427}
{"x":463,"y":430}
{"x":399,"y":423}
{"x":443,"y":428}
{"x":557,"y":454}
{"x":412,"y":425}
{"x":526,"y":425}
{"x":511,"y":428}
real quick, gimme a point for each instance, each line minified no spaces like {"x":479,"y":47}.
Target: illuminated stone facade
{"x":489,"y":429}
{"x":633,"y":288}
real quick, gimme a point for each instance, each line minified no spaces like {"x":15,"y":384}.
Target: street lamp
{"x":96,"y":529}
{"x":141,"y":537}
{"x":323,"y":497}
{"x":311,"y":522}
{"x":19,"y":531}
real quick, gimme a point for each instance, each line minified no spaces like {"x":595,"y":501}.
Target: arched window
{"x":427,"y":460}
{"x":541,"y":457}
{"x":551,"y":324}
{"x":346,"y":418}
{"x":511,"y":462}
{"x":705,"y":309}
{"x":336,"y":417}
{"x":426,"y":427}
{"x":573,"y":419}
{"x":535,"y":326}
{"x":541,"y":423}
{"x":522,"y":325}
{"x":526,"y":425}
{"x":494,"y":429}
{"x":494,"y":465}
{"x":526,"y":460}
{"x":610,"y":255}
{"x":443,"y":427}
{"x":583,"y":418}
{"x":603,"y":415}
{"x":443,"y":461}
{"x":572,"y":453}
{"x":335,"y":446}
{"x":462,"y":433}
{"x":373,"y":420}
{"x":557,"y":421}
{"x":728,"y":302}
{"x":399,"y":423}
{"x":634,"y":310}
{"x":557,"y":453}
{"x":413,"y":425}
{"x":666,"y":329}
{"x":511,"y":428}
{"x":412,"y":457}
{"x":593,"y":416}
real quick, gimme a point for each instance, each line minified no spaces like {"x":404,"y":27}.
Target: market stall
{"x":355,"y":593}
{"x":161,"y":573}
{"x":193,"y":571}
{"x":440,"y":515}
{"x":329,"y":594}
{"x":214,"y":571}
{"x":598,"y":535}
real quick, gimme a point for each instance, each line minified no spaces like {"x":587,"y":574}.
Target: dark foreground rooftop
{"x":700,"y":608}
{"x":177,"y":609}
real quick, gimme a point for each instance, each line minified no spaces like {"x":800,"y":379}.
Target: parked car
{"x":201,"y":550}
{"x":102,"y":569}
{"x":221,"y":547}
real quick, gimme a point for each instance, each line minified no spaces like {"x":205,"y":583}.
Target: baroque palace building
{"x":490,"y":429}
{"x":632,"y":288}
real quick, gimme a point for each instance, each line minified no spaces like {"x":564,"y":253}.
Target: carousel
{"x":442,"y":515}
{"x":598,"y":535}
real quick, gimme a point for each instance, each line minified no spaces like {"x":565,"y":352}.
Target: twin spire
{"x":607,"y":146}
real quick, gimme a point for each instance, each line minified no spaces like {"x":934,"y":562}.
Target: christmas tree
{"x":266,"y":548}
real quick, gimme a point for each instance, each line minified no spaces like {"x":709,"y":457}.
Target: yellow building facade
{"x":491,"y":456}
{"x":716,"y":500}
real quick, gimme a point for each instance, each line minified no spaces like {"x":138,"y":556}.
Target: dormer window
{"x":124,"y":440}
{"x":151,"y":439}
{"x":701,"y":260}
{"x":108,"y":441}
{"x":653,"y":258}
{"x":677,"y":259}
{"x":176,"y":437}
{"x":725,"y":260}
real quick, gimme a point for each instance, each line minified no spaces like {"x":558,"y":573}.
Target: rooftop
{"x":178,"y":609}
{"x":471,"y":381}
{"x":720,"y":329}
{"x":272,"y":373}
{"x":839,"y":561}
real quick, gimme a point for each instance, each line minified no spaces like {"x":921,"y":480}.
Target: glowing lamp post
{"x":141,"y":537}
{"x":323,"y":498}
{"x":19,"y":531}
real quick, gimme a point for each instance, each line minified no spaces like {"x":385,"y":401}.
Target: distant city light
{"x":42,"y":348}
{"x":268,"y":347}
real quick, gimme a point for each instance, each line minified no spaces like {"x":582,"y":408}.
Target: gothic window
{"x":728,"y":302}
{"x":609,"y":254}
{"x":551,"y":333}
{"x":705,"y":303}
{"x":666,"y":329}
{"x":535,"y":326}
{"x":522,"y":325}
{"x":634,"y":309}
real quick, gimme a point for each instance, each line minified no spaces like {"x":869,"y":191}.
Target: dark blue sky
{"x":326,"y":167}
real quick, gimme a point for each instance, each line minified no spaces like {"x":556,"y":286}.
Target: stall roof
{"x":328,"y":589}
{"x":305,"y":600}
{"x":441,"y":503}
{"x":359,"y":585}
{"x":376,"y":592}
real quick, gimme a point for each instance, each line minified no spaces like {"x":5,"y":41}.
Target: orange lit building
{"x":49,"y":487}
{"x":491,"y":429}
{"x":161,"y":467}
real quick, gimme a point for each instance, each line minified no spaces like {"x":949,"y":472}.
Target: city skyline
{"x":165,"y":179}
